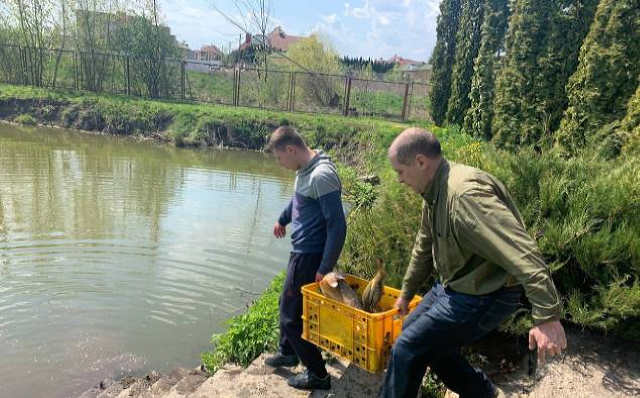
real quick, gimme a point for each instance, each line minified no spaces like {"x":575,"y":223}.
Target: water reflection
{"x":118,"y":256}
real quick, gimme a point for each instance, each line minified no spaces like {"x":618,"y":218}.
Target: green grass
{"x":377,"y":103}
{"x":210,"y":87}
{"x":248,"y":334}
{"x":25,"y":119}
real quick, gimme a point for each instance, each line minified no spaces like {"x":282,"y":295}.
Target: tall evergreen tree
{"x":569,"y":24}
{"x":607,"y":74}
{"x":443,"y":58}
{"x":515,"y":84}
{"x":630,"y":129}
{"x":478,"y":117}
{"x":467,"y":45}
{"x":542,"y":51}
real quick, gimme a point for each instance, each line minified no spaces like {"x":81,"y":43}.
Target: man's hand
{"x":319,"y":277}
{"x":279,"y":231}
{"x":402,"y":305}
{"x":550,"y":339}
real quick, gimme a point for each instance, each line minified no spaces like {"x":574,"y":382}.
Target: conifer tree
{"x":607,"y":73}
{"x":467,"y":45}
{"x":568,"y":26}
{"x":478,"y":117}
{"x":542,"y":53}
{"x":515,"y":95}
{"x":630,"y":128}
{"x":443,"y":58}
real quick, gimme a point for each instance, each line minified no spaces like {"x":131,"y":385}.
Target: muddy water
{"x":119,"y":257}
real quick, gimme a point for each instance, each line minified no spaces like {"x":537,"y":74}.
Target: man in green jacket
{"x":473,"y":238}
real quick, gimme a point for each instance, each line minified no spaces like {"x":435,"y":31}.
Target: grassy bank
{"x":183,"y":124}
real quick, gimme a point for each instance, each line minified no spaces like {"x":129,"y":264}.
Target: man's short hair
{"x":283,"y":136}
{"x":414,"y":141}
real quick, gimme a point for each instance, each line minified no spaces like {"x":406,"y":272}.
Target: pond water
{"x":118,"y":257}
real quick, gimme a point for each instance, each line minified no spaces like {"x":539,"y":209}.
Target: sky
{"x":357,"y":28}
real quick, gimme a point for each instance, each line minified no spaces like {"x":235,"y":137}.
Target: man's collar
{"x":431,"y":192}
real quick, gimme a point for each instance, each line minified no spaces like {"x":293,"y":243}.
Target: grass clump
{"x":25,"y":119}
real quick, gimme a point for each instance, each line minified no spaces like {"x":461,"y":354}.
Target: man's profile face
{"x":414,"y":175}
{"x":286,"y":157}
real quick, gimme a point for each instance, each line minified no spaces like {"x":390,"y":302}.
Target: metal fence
{"x":212,"y":82}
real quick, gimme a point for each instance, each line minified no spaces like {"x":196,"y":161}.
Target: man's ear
{"x":421,"y":161}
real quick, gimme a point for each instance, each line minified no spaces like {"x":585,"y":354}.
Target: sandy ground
{"x":593,"y":366}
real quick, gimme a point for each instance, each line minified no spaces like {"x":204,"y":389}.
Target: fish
{"x":334,"y":286}
{"x":329,"y":286}
{"x":373,"y":291}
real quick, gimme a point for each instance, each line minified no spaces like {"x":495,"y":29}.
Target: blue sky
{"x":367,"y":28}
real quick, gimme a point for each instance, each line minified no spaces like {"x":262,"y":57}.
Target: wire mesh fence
{"x":209,"y":82}
{"x":213,"y":82}
{"x":318,"y":93}
{"x":378,"y":98}
{"x":419,"y":102}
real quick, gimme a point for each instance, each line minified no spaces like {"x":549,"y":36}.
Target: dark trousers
{"x":432,"y":336}
{"x":301,"y":270}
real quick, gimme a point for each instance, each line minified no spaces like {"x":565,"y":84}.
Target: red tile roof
{"x":280,"y":40}
{"x":404,"y":61}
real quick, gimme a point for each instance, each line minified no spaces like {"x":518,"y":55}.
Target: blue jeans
{"x":432,"y":336}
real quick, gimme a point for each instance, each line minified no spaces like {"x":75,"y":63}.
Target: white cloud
{"x":358,"y":12}
{"x":383,"y":20}
{"x":385,"y":28}
{"x":200,"y":25}
{"x":329,"y":18}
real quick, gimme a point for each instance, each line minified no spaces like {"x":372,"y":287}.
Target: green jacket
{"x":472,"y":235}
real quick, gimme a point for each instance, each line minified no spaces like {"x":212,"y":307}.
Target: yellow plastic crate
{"x":361,"y":337}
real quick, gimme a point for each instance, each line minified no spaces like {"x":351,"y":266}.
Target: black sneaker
{"x":280,"y":359}
{"x":309,"y":381}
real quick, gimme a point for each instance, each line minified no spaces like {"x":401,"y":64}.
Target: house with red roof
{"x":278,"y":40}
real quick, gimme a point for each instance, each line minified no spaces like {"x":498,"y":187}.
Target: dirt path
{"x":592,"y":367}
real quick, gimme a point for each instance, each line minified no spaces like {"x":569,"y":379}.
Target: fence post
{"x":290,"y":99}
{"x":238,"y":89}
{"x":347,"y":96}
{"x":128,"y":78}
{"x":235,"y":84}
{"x":293,"y":91}
{"x":289,"y":93}
{"x":182,"y":79}
{"x":405,"y":103}
{"x":76,"y":65}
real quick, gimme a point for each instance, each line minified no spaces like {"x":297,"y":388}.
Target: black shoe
{"x":309,"y":381}
{"x":280,"y":359}
{"x":495,"y":391}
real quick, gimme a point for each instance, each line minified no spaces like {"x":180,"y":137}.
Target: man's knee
{"x":290,"y":319}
